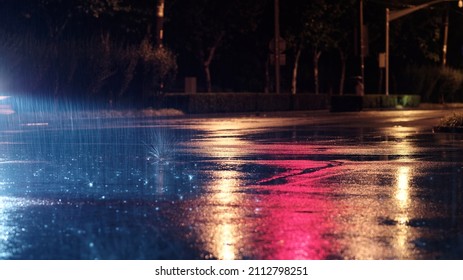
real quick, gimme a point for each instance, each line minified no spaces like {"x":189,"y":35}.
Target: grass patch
{"x":453,"y":120}
{"x":452,"y":123}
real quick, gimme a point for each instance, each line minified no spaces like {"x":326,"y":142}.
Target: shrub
{"x":159,"y":69}
{"x":97,"y":67}
{"x":453,"y":120}
{"x":434,"y":83}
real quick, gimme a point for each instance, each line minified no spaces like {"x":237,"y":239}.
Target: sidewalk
{"x":434,"y":106}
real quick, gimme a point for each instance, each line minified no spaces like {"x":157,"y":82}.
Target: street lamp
{"x":277,"y":45}
{"x":393,"y":15}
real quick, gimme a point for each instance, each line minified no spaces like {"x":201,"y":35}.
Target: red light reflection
{"x":299,"y":216}
{"x":290,"y":219}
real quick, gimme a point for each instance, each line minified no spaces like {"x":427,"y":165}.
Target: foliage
{"x":318,"y":28}
{"x":434,"y":83}
{"x":160,"y":68}
{"x":98,"y":67}
{"x":325,"y":24}
{"x":54,"y":19}
{"x":96,"y":8}
{"x":423,"y":37}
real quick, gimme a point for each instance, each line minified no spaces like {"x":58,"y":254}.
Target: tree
{"x":294,"y":34}
{"x":204,"y":27}
{"x":320,"y":19}
{"x":159,"y":68}
{"x":342,"y":34}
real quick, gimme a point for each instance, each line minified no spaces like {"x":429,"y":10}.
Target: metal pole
{"x":362,"y":48}
{"x":277,"y":46}
{"x":159,"y":23}
{"x":446,"y":36}
{"x":387,"y":52}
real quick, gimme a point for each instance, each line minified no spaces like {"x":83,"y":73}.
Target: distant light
{"x":32,"y":124}
{"x":5,"y":109}
{"x":460,"y":4}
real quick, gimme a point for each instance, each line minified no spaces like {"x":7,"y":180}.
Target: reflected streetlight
{"x":402,"y":194}
{"x":221,"y":234}
{"x":393,"y":15}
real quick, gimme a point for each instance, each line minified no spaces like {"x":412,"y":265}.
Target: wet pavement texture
{"x":308,"y":185}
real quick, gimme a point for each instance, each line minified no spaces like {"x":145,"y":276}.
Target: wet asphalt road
{"x":370,"y":185}
{"x":306,"y":185}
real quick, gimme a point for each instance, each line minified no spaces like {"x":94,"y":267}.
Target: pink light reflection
{"x":292,"y":219}
{"x":299,"y":217}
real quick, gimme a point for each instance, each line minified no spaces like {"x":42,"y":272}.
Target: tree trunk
{"x":207,"y":73}
{"x":295,"y":67}
{"x":129,"y":71}
{"x":208,"y":60}
{"x":267,"y":75}
{"x":342,"y":80}
{"x":316,"y":59}
{"x":104,"y":68}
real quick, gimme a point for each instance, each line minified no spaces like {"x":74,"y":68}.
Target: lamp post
{"x":277,"y":45}
{"x":393,"y":15}
{"x":159,"y":23}
{"x":362,"y":49}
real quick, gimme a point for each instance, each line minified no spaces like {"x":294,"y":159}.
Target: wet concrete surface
{"x":307,"y":185}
